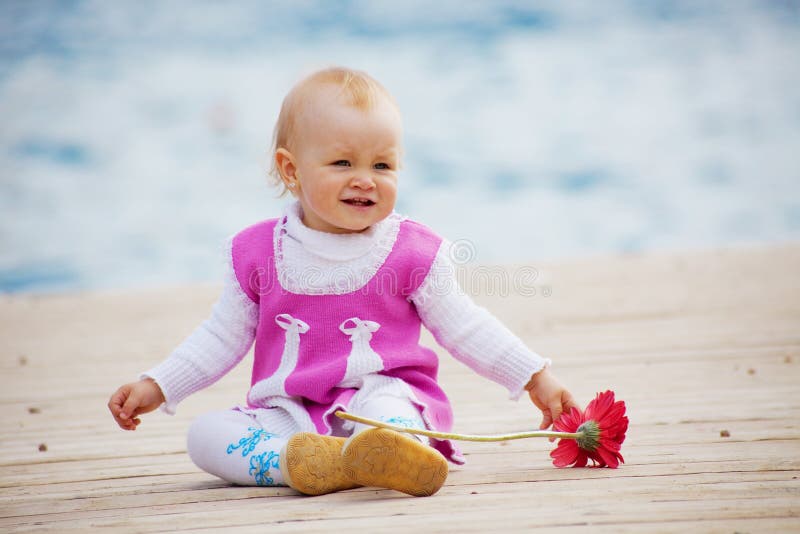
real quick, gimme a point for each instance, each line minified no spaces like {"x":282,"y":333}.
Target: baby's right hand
{"x":134,"y":399}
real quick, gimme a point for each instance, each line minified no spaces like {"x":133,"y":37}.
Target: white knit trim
{"x":327,"y":245}
{"x":541,"y":364}
{"x":230,"y":279}
{"x":346,"y":276}
{"x":441,"y":280}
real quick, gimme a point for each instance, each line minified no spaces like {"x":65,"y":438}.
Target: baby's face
{"x":346,"y":162}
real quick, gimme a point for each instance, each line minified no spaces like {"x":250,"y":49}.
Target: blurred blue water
{"x":134,"y":136}
{"x":52,"y":151}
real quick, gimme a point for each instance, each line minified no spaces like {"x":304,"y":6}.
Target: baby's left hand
{"x":550,"y":397}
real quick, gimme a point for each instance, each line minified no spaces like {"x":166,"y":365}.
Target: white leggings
{"x":238,"y":447}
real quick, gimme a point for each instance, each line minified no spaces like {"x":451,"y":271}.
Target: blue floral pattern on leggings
{"x":248,"y":443}
{"x":406,"y":422}
{"x":260,"y":465}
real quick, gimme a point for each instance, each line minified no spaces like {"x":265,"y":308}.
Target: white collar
{"x":335,"y":247}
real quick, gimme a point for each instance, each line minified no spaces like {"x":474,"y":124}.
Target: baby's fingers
{"x":550,"y":416}
{"x":547,"y":420}
{"x":116,"y":401}
{"x":555,"y":410}
{"x":568,"y":402}
{"x":117,"y":405}
{"x":126,"y":424}
{"x":131,"y":405}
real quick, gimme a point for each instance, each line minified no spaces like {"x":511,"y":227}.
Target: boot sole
{"x":387,"y":459}
{"x":312,"y":464}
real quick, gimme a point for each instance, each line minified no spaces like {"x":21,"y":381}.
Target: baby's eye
{"x":382,"y":166}
{"x":342,"y":163}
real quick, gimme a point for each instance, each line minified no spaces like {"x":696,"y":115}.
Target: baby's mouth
{"x":358,"y":201}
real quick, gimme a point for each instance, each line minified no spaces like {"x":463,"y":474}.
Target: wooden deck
{"x":704,"y":347}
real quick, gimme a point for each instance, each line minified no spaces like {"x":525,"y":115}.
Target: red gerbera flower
{"x":603,"y":425}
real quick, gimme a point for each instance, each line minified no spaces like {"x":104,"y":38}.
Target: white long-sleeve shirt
{"x":314,"y":262}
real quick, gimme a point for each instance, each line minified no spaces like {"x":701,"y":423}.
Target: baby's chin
{"x":347,"y":228}
{"x":358,"y":226}
{"x":356,"y":229}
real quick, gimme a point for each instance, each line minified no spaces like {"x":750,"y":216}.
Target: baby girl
{"x":334,"y":294}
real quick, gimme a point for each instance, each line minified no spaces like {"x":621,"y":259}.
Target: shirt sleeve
{"x":471,"y":333}
{"x":213,"y":348}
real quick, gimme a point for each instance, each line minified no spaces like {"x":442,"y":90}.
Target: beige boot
{"x":312,"y":464}
{"x":388,"y":459}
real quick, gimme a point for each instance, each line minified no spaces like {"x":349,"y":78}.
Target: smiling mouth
{"x":358,"y":202}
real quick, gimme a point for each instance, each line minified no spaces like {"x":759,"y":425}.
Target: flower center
{"x":591,"y":436}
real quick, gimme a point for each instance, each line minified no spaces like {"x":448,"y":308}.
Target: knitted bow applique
{"x":275,"y":384}
{"x":289,"y":323}
{"x":360,"y":330}
{"x":362,"y":360}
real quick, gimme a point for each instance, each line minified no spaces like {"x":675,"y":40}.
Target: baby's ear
{"x":284,"y":163}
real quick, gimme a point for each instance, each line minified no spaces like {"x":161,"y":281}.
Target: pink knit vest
{"x":302,"y":343}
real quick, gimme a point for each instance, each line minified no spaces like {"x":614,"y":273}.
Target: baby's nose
{"x":362,"y":180}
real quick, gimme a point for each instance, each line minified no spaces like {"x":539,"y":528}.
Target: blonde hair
{"x":360,"y":89}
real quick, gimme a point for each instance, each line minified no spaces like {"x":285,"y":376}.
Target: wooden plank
{"x":523,"y":506}
{"x":696,"y":343}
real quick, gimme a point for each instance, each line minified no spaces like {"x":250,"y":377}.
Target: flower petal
{"x":582,"y":459}
{"x":608,"y":457}
{"x":565,"y":454}
{"x":598,"y":407}
{"x":569,"y":421}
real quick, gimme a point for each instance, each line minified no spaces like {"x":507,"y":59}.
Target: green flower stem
{"x":459,"y":437}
